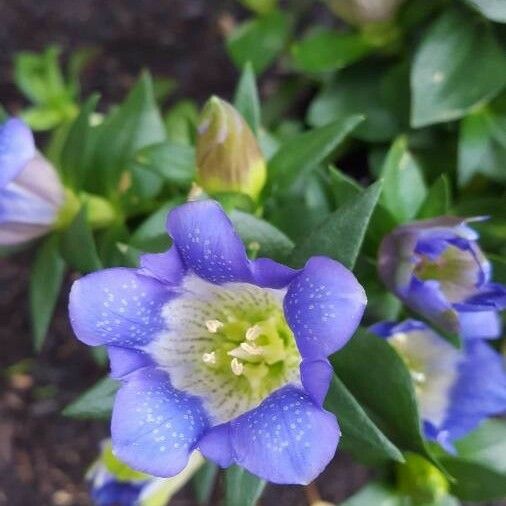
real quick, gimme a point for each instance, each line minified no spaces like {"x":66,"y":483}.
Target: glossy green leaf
{"x":404,"y":189}
{"x":360,"y":435}
{"x":181,"y":122}
{"x":259,"y":41}
{"x":494,"y":10}
{"x":203,"y":482}
{"x":174,"y":163}
{"x":328,"y":50}
{"x":78,"y":246}
{"x":364,"y":89}
{"x":78,"y":146}
{"x":377,"y":494}
{"x":305,"y":151}
{"x":437,"y":202}
{"x":378,"y":379}
{"x":498,"y":268}
{"x":241,"y":487}
{"x":482,"y":146}
{"x":341,"y":234}
{"x":260,"y":6}
{"x":458,"y":65}
{"x":246,"y":98}
{"x":96,"y":402}
{"x":45,"y":284}
{"x":270,"y":242}
{"x":135,"y":124}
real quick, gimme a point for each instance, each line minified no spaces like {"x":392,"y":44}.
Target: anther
{"x":251,"y":349}
{"x":236,"y":366}
{"x":213,"y":326}
{"x":253,"y":332}
{"x":209,"y":358}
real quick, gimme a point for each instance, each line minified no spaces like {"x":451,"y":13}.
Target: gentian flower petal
{"x":479,"y":324}
{"x":216,"y":445}
{"x":208,"y":242}
{"x":118,"y":307}
{"x":316,"y":376}
{"x":167,"y":267}
{"x":17,"y":147}
{"x":270,"y":274}
{"x":323,"y":306}
{"x":124,"y":361}
{"x":287,"y":439}
{"x":155,"y":427}
{"x":115,"y":493}
{"x":479,"y":392}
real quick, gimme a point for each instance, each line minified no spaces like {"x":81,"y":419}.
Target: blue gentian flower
{"x":437,"y":269}
{"x":455,"y":389}
{"x":219,"y":352}
{"x":113,"y":483}
{"x":31,"y":194}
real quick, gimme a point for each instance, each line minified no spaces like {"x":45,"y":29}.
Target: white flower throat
{"x":227,"y":344}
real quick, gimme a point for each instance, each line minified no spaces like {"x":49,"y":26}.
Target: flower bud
{"x":365,"y":12}
{"x":31,"y":193}
{"x":112,"y":482}
{"x":437,"y":269}
{"x":228,"y":156}
{"x":422,"y":481}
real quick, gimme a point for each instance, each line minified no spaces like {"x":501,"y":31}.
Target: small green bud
{"x":421,"y":481}
{"x":228,"y":156}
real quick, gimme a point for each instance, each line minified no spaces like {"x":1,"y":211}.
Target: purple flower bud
{"x":437,"y":269}
{"x":31,"y":193}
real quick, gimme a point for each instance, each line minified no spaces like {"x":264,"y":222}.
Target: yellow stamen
{"x":253,"y":332}
{"x":236,"y":366}
{"x":209,"y":358}
{"x":213,"y":326}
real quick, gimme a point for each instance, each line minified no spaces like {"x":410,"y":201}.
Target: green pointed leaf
{"x":241,"y":487}
{"x":181,"y":122}
{"x":272,"y":243}
{"x":341,"y":234}
{"x":136,"y":123}
{"x":259,"y":41}
{"x":246,"y":98}
{"x":306,"y":151}
{"x":437,"y":202}
{"x":45,"y":285}
{"x":203,"y":482}
{"x":260,"y":6}
{"x":360,"y":435}
{"x":482,"y":146}
{"x":458,"y":65}
{"x":404,"y":189}
{"x":378,"y":379}
{"x":174,"y":163}
{"x":78,"y":246}
{"x":328,"y":50}
{"x":78,"y":146}
{"x":494,"y":10}
{"x":95,"y":403}
{"x":375,"y":493}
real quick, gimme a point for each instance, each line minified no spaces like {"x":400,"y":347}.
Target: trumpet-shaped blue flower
{"x":219,"y":352}
{"x":31,"y":194}
{"x":455,"y":389}
{"x":437,"y":268}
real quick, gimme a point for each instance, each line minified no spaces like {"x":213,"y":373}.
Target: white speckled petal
{"x":117,"y":307}
{"x":154,"y":427}
{"x":287,"y":439}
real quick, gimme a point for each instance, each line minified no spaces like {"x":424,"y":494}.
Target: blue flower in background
{"x":455,"y":389}
{"x":31,"y":194}
{"x":219,"y":352}
{"x":437,"y":268}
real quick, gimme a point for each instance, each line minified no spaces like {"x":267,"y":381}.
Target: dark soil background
{"x":43,"y":455}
